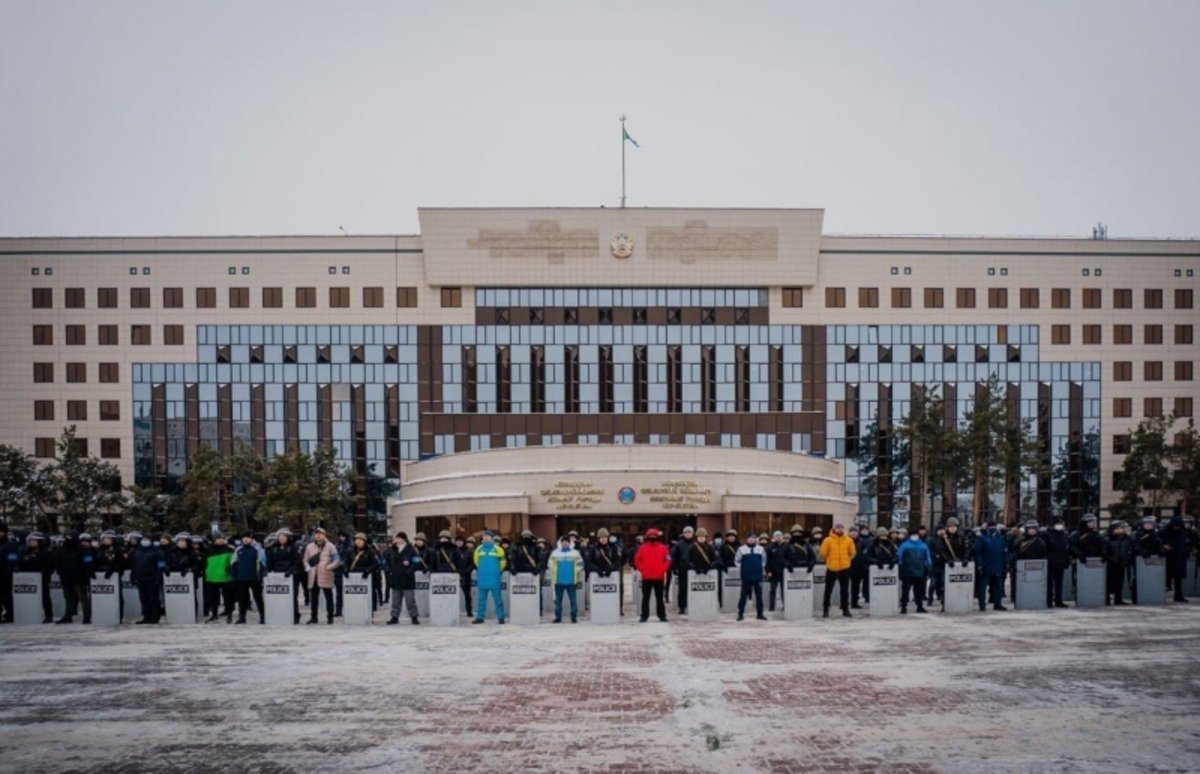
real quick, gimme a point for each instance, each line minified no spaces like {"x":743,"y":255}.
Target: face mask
{"x":717,"y":541}
{"x":145,"y":544}
{"x":1059,"y":527}
{"x":914,"y":538}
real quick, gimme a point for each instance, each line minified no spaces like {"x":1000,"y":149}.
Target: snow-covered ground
{"x":1111,"y":689}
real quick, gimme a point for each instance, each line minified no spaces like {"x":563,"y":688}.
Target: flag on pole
{"x":630,"y":139}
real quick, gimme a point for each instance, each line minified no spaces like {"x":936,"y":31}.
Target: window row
{"x":110,"y":373}
{"x":1151,"y":407}
{"x":77,"y":410}
{"x":238,"y":298}
{"x":106,"y":335}
{"x":1152,"y":371}
{"x":997,"y":298}
{"x":110,"y":448}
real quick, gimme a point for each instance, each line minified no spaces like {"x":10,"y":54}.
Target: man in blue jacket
{"x":751,"y":559}
{"x":915,"y":562}
{"x":991,"y":559}
{"x":490,"y":563}
{"x":246,"y":570}
{"x":146,"y":567}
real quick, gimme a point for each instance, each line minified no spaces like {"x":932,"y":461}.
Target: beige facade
{"x":74,"y":310}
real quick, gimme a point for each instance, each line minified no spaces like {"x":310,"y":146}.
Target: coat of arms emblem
{"x":622,"y":246}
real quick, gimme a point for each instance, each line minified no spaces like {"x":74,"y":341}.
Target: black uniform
{"x":38,"y":558}
{"x":286,"y":558}
{"x":74,"y":563}
{"x":1118,"y":556}
{"x":9,"y":554}
{"x":1058,"y":559}
{"x":775,"y":572}
{"x":1025,"y":547}
{"x":679,"y":568}
{"x":1146,"y":543}
{"x":859,"y":573}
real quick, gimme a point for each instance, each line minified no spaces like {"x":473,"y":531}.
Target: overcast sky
{"x":298,"y":117}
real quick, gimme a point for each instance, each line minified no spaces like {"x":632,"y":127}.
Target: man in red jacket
{"x":653,"y":561}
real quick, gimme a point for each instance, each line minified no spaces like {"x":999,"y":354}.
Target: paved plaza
{"x":1112,"y":689}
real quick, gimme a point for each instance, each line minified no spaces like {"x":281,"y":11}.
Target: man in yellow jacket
{"x":837,"y":552}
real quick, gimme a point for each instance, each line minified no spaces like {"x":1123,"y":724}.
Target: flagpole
{"x":622,"y":160}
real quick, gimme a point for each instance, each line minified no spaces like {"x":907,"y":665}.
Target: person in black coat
{"x":703,"y":557}
{"x":775,"y":569}
{"x":74,"y":563}
{"x":1058,"y":559}
{"x":146,"y":566}
{"x":860,"y":584}
{"x":1178,"y":545}
{"x":466,"y":565}
{"x":1086,"y":540}
{"x":9,"y":554}
{"x":680,"y":567}
{"x":1118,"y":557}
{"x":401,"y":564}
{"x":524,"y":558}
{"x":1028,"y":545}
{"x":245,"y":569}
{"x":284,"y":557}
{"x":1147,"y":542}
{"x":38,"y":558}
{"x":797,"y":553}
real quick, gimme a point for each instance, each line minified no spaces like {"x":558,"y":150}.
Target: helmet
{"x":702,"y":532}
{"x":108,"y":534}
{"x":796,"y":528}
{"x":182,"y":536}
{"x":1031,"y":524}
{"x":951,"y":522}
{"x":133,"y":537}
{"x":36,"y":535}
{"x":602,"y":532}
{"x":446,"y":534}
{"x":524,"y":533}
{"x":419,"y":536}
{"x":85,"y":536}
{"x":282,"y":532}
{"x":1089,"y":517}
{"x":881,"y":533}
{"x":1149,"y":520}
{"x":361,"y":536}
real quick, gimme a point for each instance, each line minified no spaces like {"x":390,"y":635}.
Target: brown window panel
{"x":935,"y":298}
{"x":1183,"y":406}
{"x":77,"y":411}
{"x":406,"y":297}
{"x":1030,"y":298}
{"x":43,"y":410}
{"x":110,"y":373}
{"x":76,"y":298}
{"x":372,"y":298}
{"x":1060,"y":298}
{"x":77,"y":373}
{"x":1122,"y":371}
{"x":641,"y":402}
{"x":1152,"y":334}
{"x":139,"y":298}
{"x":793,"y":298}
{"x":43,"y":298}
{"x":239,"y":298}
{"x":339,"y":298}
{"x":44,"y":448}
{"x":110,"y":448}
{"x":742,"y":378}
{"x":172,"y":298}
{"x":868,"y":298}
{"x":1152,"y":371}
{"x":206,"y":298}
{"x":1183,"y":298}
{"x":106,"y":298}
{"x":997,"y":298}
{"x":43,"y":335}
{"x":503,"y":379}
{"x":835,"y":298}
{"x":1122,"y":334}
{"x":901,"y":298}
{"x":110,"y":410}
{"x":964,"y":298}
{"x":571,"y":379}
{"x":76,"y":335}
{"x":1122,"y":407}
{"x":1060,"y":334}
{"x":1122,"y":443}
{"x":606,"y":379}
{"x":1183,"y":370}
{"x":43,"y":373}
{"x":306,"y":298}
{"x":272,"y":298}
{"x":1152,"y":298}
{"x":173,"y":335}
{"x":451,"y":297}
{"x":1093,"y":334}
{"x":1152,"y":407}
{"x":108,"y":335}
{"x":1183,"y":334}
{"x":139,"y":335}
{"x":1122,"y":298}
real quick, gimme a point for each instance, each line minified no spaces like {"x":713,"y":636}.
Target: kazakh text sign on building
{"x":573,"y":496}
{"x":679,"y":495}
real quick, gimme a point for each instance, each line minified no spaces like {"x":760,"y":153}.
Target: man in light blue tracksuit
{"x":490,"y":563}
{"x":566,"y":568}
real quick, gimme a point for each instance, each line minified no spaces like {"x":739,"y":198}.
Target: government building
{"x":571,"y":368}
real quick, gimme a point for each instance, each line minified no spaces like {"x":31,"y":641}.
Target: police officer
{"x":859,"y":584}
{"x":774,"y":551}
{"x":465,"y":571}
{"x":990,"y":552}
{"x":680,"y":567}
{"x":1030,"y":545}
{"x":798,"y":554}
{"x":146,"y":567}
{"x":74,"y":563}
{"x":606,"y":557}
{"x":882,"y":551}
{"x":703,"y":556}
{"x":9,"y":554}
{"x":523,"y":558}
{"x":937,"y":578}
{"x":1178,"y":546}
{"x":1086,"y":541}
{"x":1147,"y":543}
{"x":285,"y":558}
{"x":1118,"y":556}
{"x":1058,"y":559}
{"x":445,"y":556}
{"x":37,"y":558}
